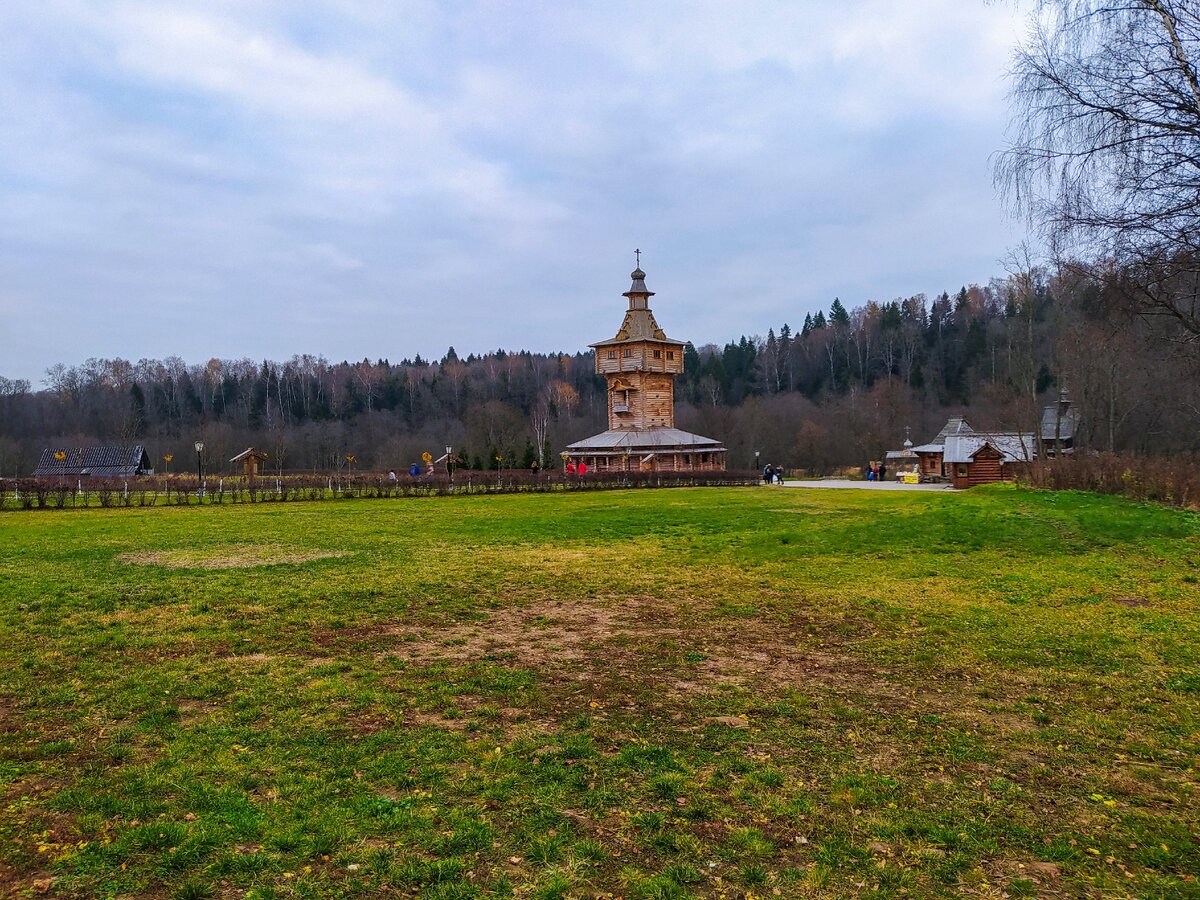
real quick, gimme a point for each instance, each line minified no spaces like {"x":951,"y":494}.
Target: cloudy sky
{"x":361,"y":178}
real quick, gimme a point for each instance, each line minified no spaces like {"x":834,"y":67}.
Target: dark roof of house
{"x":98,"y":462}
{"x":954,"y":426}
{"x":1065,"y":416}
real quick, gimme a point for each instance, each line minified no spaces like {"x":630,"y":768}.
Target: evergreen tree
{"x":838,"y":314}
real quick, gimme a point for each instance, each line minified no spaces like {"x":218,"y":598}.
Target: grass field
{"x":689,"y":693}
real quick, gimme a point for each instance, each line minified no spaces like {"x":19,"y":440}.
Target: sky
{"x":352,"y":179}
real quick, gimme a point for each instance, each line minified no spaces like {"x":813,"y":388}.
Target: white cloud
{"x":272,"y":157}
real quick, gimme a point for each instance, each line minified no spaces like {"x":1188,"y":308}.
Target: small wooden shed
{"x":250,"y":459}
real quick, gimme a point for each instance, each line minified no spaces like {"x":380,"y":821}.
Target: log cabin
{"x":966,"y":457}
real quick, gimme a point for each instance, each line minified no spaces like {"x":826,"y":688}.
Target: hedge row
{"x":1173,"y":480}
{"x":110,"y":493}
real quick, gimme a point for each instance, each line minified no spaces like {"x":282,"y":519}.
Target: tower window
{"x":628,"y":353}
{"x":612,"y":354}
{"x":670,"y":354}
{"x":658,"y":354}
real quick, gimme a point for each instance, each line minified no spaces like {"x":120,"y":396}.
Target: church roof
{"x":1061,"y":419}
{"x":639,"y":323}
{"x":631,"y":440}
{"x":639,"y":283}
{"x":954,"y":426}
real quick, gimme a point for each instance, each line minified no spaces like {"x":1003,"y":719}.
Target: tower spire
{"x":639,"y":295}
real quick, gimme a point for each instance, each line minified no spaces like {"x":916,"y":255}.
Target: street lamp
{"x":756,"y":465}
{"x":199,"y":464}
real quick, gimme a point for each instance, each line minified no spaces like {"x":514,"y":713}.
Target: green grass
{"x":658,"y":694}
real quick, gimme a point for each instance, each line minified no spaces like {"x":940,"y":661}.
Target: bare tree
{"x":1105,"y":151}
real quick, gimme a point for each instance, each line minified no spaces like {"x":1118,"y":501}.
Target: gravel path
{"x":867,"y":485}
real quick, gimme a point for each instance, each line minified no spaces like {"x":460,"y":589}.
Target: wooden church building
{"x":640,"y":364}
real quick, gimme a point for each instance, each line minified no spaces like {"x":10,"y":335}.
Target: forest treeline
{"x":833,"y":389}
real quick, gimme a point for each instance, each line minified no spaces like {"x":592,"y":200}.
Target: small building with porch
{"x":94,"y":462}
{"x":250,"y":458}
{"x":640,"y":364}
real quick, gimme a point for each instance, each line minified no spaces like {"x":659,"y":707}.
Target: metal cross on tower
{"x":638,"y":255}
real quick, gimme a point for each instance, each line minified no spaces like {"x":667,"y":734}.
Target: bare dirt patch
{"x":1132,"y":600}
{"x":551,"y":632}
{"x":228,"y":556}
{"x":644,"y":638}
{"x":1046,"y":875}
{"x":192,"y":712}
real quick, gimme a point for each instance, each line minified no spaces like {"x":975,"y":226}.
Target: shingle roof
{"x":639,"y":323}
{"x":1067,"y":422}
{"x":633,"y":439}
{"x":1014,"y":446}
{"x":99,"y":462}
{"x":954,"y":425}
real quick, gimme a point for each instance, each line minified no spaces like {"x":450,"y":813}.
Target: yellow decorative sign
{"x":59,"y":455}
{"x":350,"y":458}
{"x":167,"y":457}
{"x":427,"y":456}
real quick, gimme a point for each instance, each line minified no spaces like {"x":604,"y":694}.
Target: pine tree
{"x":838,"y":314}
{"x":807,"y":327}
{"x":818,"y":320}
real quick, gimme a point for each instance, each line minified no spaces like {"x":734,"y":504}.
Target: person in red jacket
{"x":570,"y":467}
{"x":582,"y":468}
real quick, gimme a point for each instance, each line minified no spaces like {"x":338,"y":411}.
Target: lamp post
{"x":449,"y":463}
{"x":757,"y":467}
{"x":199,"y":467}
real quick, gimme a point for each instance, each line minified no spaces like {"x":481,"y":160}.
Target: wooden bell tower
{"x":640,"y":365}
